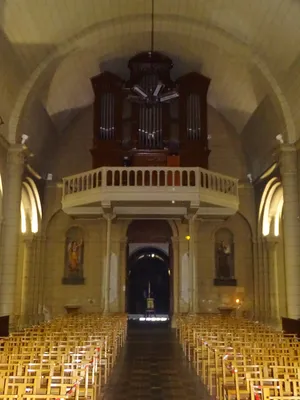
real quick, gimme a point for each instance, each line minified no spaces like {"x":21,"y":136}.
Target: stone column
{"x":11,"y":228}
{"x":39,"y":242}
{"x":291,"y":227}
{"x":274,"y":318}
{"x":184,"y":277}
{"x":266,"y":282}
{"x":263,"y":280}
{"x":192,"y":271}
{"x":40,"y":258}
{"x":106,"y":275}
{"x":27,"y":289}
{"x":123,"y":266}
{"x":256,"y":282}
{"x":175,"y":248}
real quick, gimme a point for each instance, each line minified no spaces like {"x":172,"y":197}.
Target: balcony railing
{"x":115,"y":178}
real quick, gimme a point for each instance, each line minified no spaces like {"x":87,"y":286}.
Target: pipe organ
{"x":107,"y":117}
{"x":143,"y":128}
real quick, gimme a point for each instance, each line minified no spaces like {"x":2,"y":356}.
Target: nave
{"x":95,"y":356}
{"x":152,"y":366}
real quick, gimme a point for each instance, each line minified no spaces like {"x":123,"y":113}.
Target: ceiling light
{"x":158,"y":89}
{"x":137,"y":89}
{"x":24,"y":138}
{"x":173,"y":201}
{"x":169,"y":96}
{"x":280,"y":138}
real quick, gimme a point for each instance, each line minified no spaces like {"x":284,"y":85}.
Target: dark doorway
{"x":148,"y":266}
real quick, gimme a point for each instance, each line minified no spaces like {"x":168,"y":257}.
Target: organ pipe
{"x":193,"y":117}
{"x":150,"y":118}
{"x":107,"y":116}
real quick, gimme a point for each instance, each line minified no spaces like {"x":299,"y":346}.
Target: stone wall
{"x":72,"y":156}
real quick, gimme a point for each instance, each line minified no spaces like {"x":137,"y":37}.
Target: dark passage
{"x":147,"y":269}
{"x":152,"y":366}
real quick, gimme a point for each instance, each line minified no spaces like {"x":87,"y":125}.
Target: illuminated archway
{"x":31,"y":210}
{"x":271,"y":206}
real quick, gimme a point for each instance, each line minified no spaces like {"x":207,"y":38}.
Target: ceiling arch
{"x":235,"y":61}
{"x":257,"y":38}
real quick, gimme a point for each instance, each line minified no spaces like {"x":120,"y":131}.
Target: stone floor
{"x":152,"y":366}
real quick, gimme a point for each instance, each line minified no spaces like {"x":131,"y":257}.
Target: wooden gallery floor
{"x":152,"y":366}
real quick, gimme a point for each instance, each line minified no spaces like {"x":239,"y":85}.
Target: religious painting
{"x":224,"y":258}
{"x":74,"y":257}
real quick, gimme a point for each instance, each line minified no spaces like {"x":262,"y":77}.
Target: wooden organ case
{"x":150,"y":133}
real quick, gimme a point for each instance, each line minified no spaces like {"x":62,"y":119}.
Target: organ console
{"x":143,"y":129}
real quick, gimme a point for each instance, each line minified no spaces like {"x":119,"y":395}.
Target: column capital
{"x":271,"y":242}
{"x":190,"y":217}
{"x":287,"y":147}
{"x":109,"y":216}
{"x":288,"y":159}
{"x":15,"y":154}
{"x":28,"y":238}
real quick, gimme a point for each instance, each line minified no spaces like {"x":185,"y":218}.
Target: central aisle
{"x":152,"y":366}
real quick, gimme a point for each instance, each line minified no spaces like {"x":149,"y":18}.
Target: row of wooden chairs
{"x":241,"y":359}
{"x":68,"y":357}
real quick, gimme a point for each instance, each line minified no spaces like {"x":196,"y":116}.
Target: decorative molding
{"x":73,"y":280}
{"x":15,"y":154}
{"x":288,"y":147}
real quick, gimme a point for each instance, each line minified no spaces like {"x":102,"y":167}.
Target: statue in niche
{"x":224,"y":260}
{"x":224,"y":255}
{"x":74,"y":257}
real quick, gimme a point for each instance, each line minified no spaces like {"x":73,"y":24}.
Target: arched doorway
{"x":149,"y":260}
{"x":148,"y":269}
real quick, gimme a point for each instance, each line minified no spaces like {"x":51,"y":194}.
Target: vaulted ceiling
{"x":50,"y":49}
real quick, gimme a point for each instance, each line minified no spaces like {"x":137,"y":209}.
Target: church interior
{"x":149,"y":199}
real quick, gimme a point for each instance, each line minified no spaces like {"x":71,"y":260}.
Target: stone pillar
{"x":39,"y":243}
{"x":184,"y":277}
{"x":262,"y":290}
{"x":41,"y":295}
{"x":266,"y":282}
{"x":27,"y":287}
{"x":192,"y":269}
{"x":123,"y":267}
{"x":175,"y":248}
{"x":106,"y":275}
{"x":11,"y":228}
{"x":274,"y":317}
{"x":256,"y":281}
{"x":291,"y":227}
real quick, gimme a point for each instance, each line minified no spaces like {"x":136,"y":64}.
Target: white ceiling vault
{"x":50,"y":49}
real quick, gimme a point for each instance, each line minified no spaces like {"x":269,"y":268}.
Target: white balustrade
{"x":114,"y":178}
